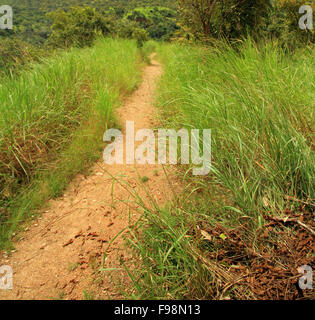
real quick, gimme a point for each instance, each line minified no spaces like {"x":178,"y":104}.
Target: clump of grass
{"x":259,"y":103}
{"x":144,"y":179}
{"x":16,"y":54}
{"x":88,"y":295}
{"x":52,"y":123}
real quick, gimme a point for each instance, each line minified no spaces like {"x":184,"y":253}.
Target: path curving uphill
{"x":58,"y":257}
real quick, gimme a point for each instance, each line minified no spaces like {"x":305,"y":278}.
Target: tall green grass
{"x":52,"y":122}
{"x":259,"y":103}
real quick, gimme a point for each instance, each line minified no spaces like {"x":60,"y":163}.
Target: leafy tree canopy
{"x":31,"y":23}
{"x":76,"y":27}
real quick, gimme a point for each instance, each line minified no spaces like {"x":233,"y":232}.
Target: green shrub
{"x":233,"y":20}
{"x":77,"y":27}
{"x":141,"y":36}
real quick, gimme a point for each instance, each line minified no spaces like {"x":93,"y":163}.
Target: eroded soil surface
{"x":60,"y":254}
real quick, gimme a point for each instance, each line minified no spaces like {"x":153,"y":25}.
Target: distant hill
{"x":31,"y":24}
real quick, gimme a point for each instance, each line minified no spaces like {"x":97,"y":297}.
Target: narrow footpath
{"x":60,"y":254}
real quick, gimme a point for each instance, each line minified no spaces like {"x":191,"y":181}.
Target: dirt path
{"x":58,"y":257}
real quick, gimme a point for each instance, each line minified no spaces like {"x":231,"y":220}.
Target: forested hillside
{"x":32,"y":25}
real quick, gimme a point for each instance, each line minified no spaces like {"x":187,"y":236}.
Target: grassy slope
{"x":52,"y":123}
{"x":259,"y":104}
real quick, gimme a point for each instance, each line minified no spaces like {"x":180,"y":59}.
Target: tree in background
{"x":159,"y":22}
{"x":228,"y":18}
{"x":234,"y":19}
{"x":283,"y":23}
{"x":141,"y":36}
{"x":238,"y":18}
{"x":77,"y":27}
{"x":32,"y":25}
{"x":198,"y":15}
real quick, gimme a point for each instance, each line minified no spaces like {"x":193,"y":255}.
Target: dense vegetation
{"x":31,"y":23}
{"x":55,"y":24}
{"x":234,"y":19}
{"x":41,"y":26}
{"x":16,"y":54}
{"x":242,"y":68}
{"x":213,"y":242}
